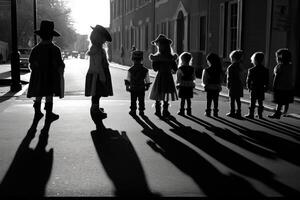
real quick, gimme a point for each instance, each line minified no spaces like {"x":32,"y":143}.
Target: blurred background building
{"x":203,"y":26}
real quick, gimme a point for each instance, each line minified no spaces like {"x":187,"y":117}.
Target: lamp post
{"x":15,"y":57}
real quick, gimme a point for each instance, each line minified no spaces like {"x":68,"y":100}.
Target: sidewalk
{"x":268,"y":104}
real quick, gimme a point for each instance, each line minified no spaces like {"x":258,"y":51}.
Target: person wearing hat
{"x":47,"y":68}
{"x":98,"y":79}
{"x":137,"y":82}
{"x":163,"y":62}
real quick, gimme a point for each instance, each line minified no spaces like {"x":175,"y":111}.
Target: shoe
{"x":51,"y":116}
{"x":189,"y":111}
{"x":249,"y":116}
{"x":231,"y":114}
{"x":180,"y":112}
{"x":207,"y":114}
{"x":141,"y":113}
{"x":276,"y":115}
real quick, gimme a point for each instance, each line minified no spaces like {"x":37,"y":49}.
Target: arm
{"x":249,"y":79}
{"x":127,"y":81}
{"x":98,"y":61}
{"x":179,"y":77}
{"x":147,"y":81}
{"x":204,"y":78}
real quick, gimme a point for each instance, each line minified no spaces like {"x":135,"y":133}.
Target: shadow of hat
{"x":161,"y":38}
{"x":47,"y":28}
{"x":103,"y":31}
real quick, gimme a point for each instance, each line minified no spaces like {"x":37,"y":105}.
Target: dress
{"x":98,"y":79}
{"x":47,"y":71}
{"x":164,"y":87}
{"x":283,"y":84}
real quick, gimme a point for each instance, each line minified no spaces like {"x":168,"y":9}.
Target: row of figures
{"x":164,"y":89}
{"x":47,"y":77}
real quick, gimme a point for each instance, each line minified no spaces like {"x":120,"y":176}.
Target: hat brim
{"x":104,"y":32}
{"x":53,"y":33}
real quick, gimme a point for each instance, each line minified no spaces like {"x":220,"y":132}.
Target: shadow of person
{"x":230,"y":158}
{"x":121,"y":163}
{"x":208,"y":178}
{"x":233,"y":138}
{"x":30,"y":169}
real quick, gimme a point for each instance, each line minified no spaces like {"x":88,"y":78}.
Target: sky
{"x":86,"y":13}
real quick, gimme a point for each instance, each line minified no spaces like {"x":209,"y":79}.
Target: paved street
{"x":182,"y":156}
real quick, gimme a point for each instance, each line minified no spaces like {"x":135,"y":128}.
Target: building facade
{"x":203,"y":26}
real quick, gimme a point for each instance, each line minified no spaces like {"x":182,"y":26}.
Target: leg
{"x":286,"y":108}
{"x":158,"y":108}
{"x":37,"y":108}
{"x":277,"y":113}
{"x":232,"y":107}
{"x":49,"y":107}
{"x":133,"y":107}
{"x":181,"y":110}
{"x":250,"y":115}
{"x":239,"y":106}
{"x":189,"y":106}
{"x":260,"y":109}
{"x":216,"y":103}
{"x":208,"y":103}
{"x":141,"y":98}
{"x":95,"y":110}
{"x":166,"y":112}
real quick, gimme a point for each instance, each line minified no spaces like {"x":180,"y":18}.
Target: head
{"x":100,"y":35}
{"x":213,"y":60}
{"x":163,"y":44}
{"x":283,"y":56}
{"x":137,"y":57}
{"x":47,"y":31}
{"x":185,"y":58}
{"x":236,"y":56}
{"x":257,"y":58}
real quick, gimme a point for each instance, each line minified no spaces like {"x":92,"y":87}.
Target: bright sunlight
{"x":86,"y":13}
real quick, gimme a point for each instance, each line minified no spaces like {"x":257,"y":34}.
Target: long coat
{"x":98,"y":79}
{"x":164,"y":87}
{"x":235,"y":80}
{"x":47,"y":69}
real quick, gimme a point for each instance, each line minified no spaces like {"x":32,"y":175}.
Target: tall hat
{"x":47,"y":28}
{"x":137,"y":55}
{"x":103,"y":31}
{"x":162,"y":38}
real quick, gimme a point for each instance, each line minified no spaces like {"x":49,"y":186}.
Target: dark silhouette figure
{"x":209,"y":179}
{"x":283,"y":84}
{"x":185,"y":82}
{"x":47,"y":77}
{"x":137,"y":82}
{"x":230,"y":158}
{"x":163,"y":62}
{"x":257,"y":83}
{"x":121,"y":163}
{"x":98,"y":78}
{"x":235,"y":83}
{"x":30,"y":169}
{"x":212,"y":77}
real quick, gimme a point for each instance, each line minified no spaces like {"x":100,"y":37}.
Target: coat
{"x":235,"y":80}
{"x":185,"y":81}
{"x":98,"y":79}
{"x":47,"y":71}
{"x":257,"y":81}
{"x":163,"y":87}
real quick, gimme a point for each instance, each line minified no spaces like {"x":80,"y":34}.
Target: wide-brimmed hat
{"x":47,"y":28}
{"x":137,"y":55}
{"x":163,"y":39}
{"x":103,"y":31}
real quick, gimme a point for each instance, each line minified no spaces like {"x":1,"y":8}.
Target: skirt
{"x":94,"y":87}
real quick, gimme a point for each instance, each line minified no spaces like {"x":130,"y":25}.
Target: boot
{"x":276,"y":115}
{"x":37,"y":110}
{"x":207,"y":112}
{"x":97,"y":112}
{"x":238,"y":114}
{"x":157,"y":109}
{"x":166,"y":112}
{"x":250,"y":115}
{"x":181,"y":111}
{"x":189,"y":111}
{"x":231,"y":113}
{"x":260,"y":112}
{"x":216,"y":111}
{"x":49,"y":114}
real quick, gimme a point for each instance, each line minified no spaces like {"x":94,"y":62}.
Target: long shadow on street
{"x":30,"y":169}
{"x":228,"y":157}
{"x":121,"y":163}
{"x":208,"y":178}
